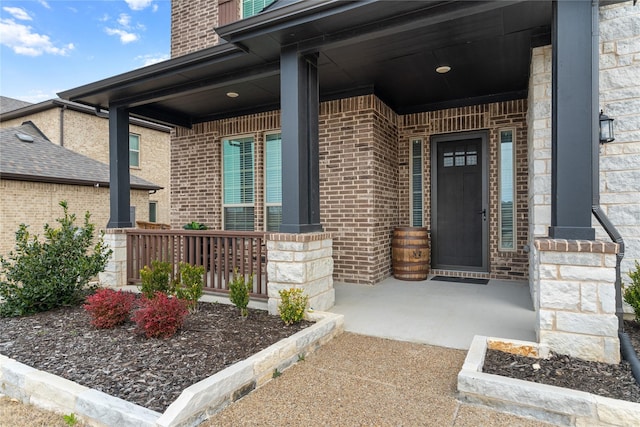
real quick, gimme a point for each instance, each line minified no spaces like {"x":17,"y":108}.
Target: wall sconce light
{"x":606,"y":128}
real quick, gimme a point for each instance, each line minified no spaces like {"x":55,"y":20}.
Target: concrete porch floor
{"x":446,"y":314}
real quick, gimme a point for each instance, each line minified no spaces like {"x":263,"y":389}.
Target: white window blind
{"x":273,"y":181}
{"x":415,"y":176}
{"x":238,"y":183}
{"x":507,"y":195}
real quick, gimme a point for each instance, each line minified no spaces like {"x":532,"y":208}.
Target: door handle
{"x":484,"y":214}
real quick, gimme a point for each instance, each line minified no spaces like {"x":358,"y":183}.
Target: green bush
{"x":155,"y":278}
{"x":189,"y":284}
{"x":239,"y":290}
{"x":632,"y":292}
{"x":293,"y":305}
{"x":39,"y":276}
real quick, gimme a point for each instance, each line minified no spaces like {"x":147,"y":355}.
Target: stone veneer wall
{"x":575,"y":298}
{"x":492,"y":117}
{"x":302,"y":261}
{"x":620,"y":99}
{"x":619,"y":160}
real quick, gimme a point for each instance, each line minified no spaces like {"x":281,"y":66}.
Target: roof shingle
{"x":44,"y":161}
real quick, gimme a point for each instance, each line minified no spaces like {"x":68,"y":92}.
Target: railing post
{"x":301,"y":261}
{"x":115,"y":273}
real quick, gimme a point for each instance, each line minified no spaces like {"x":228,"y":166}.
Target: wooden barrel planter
{"x":410,"y":254}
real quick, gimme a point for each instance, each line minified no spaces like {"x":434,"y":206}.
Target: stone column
{"x":300,"y":261}
{"x":115,"y":273}
{"x":575,"y":298}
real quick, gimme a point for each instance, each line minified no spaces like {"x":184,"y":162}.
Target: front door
{"x":459,"y":202}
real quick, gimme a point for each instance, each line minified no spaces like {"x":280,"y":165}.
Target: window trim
{"x":501,"y":248}
{"x":264,"y":177}
{"x":138,"y":150}
{"x":237,"y":205}
{"x":411,"y":157}
{"x":154,"y":203}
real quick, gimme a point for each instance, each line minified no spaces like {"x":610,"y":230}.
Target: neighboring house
{"x":79,"y":128}
{"x":330,"y":123}
{"x":35,"y":175}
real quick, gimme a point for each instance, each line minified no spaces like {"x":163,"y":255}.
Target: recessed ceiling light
{"x":443,"y":69}
{"x":233,"y":94}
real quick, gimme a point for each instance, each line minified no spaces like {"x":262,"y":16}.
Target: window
{"x":415,"y":178}
{"x":273,"y":181}
{"x":507,"y":197}
{"x":153,"y":211}
{"x":238,"y":183}
{"x":134,"y":150}
{"x":253,"y":7}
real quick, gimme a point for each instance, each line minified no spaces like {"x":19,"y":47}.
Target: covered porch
{"x":438,"y":313}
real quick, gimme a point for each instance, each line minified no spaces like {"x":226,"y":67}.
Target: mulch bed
{"x":614,"y":381}
{"x":123,"y":363}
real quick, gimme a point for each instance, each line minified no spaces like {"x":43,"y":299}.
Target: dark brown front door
{"x":459,"y":202}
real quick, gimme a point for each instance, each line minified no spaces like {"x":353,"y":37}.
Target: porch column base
{"x":301,"y":261}
{"x":574,"y":296}
{"x":115,"y":273}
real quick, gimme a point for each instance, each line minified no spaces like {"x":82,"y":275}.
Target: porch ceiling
{"x":390,"y":48}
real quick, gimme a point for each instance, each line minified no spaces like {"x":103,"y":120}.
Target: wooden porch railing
{"x":220,"y":252}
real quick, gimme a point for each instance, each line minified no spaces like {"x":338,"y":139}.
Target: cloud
{"x":155,"y":8}
{"x":125,"y":36}
{"x":44,"y":3}
{"x":124,"y":20}
{"x":23,"y":41}
{"x":138,"y":4}
{"x":18,"y":13}
{"x":37,"y":95}
{"x":152,"y":58}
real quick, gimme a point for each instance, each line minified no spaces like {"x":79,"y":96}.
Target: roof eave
{"x":69,"y":181}
{"x":149,"y":72}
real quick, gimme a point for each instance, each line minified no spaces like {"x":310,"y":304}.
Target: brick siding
{"x":192,"y":24}
{"x":36,"y":204}
{"x":364,"y":183}
{"x":88,"y":134}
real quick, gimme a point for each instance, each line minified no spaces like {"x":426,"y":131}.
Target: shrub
{"x":109,"y":308}
{"x":293,"y":305}
{"x":239,"y":292}
{"x":155,"y":278}
{"x":632,"y":292}
{"x":189,"y":285}
{"x":161,"y":316}
{"x":194,"y":225}
{"x":39,"y":276}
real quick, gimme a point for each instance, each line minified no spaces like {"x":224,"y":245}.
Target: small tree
{"x":155,"y":278}
{"x":39,"y":276}
{"x":239,"y":292}
{"x":188,"y":286}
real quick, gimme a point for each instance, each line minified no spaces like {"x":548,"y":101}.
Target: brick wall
{"x":192,"y":24}
{"x":359,"y":186}
{"x":495,"y":116}
{"x":36,"y":204}
{"x":364,"y":184}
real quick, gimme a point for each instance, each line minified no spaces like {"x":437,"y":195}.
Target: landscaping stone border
{"x":557,"y":405}
{"x":196,"y":403}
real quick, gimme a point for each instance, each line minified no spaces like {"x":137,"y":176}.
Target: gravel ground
{"x":614,"y":381}
{"x":120,"y":362}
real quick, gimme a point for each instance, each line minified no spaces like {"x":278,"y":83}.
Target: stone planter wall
{"x":115,"y":273}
